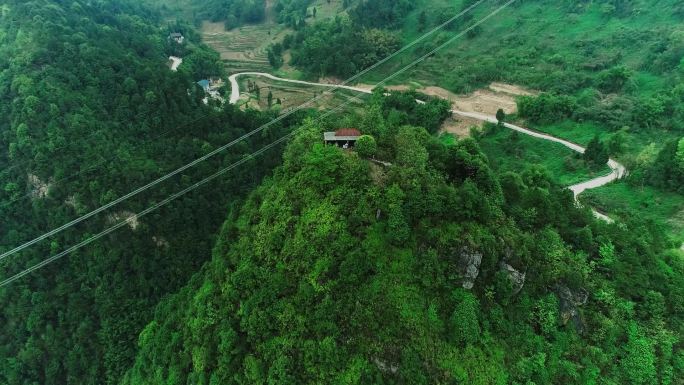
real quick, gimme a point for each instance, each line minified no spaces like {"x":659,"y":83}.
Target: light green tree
{"x":366,"y":146}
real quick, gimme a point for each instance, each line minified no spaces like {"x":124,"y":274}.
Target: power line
{"x":232,"y":143}
{"x":236,"y":164}
{"x":104,"y":161}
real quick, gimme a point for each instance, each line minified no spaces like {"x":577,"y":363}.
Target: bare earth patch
{"x":128,"y":216}
{"x":485,"y":101}
{"x":459,"y":126}
{"x":511,"y":89}
{"x":39,"y":188}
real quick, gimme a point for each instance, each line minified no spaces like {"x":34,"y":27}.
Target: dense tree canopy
{"x":338,"y":270}
{"x":407,"y":261}
{"x":88,"y":112}
{"x":339,"y":47}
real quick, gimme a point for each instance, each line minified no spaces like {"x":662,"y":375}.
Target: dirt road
{"x":175,"y":62}
{"x":617,"y":170}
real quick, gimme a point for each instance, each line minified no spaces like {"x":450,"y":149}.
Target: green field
{"x":624,"y":201}
{"x":243,"y":48}
{"x":292,"y":95}
{"x":511,"y":151}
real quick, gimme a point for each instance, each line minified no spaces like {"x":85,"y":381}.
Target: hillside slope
{"x":89,"y":111}
{"x":338,"y":270}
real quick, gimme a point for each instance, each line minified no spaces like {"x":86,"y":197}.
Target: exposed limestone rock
{"x":71,"y":201}
{"x":160,"y":241}
{"x":39,"y":188}
{"x":517,"y":278}
{"x":384,"y":367}
{"x":132,"y":219}
{"x":569,"y":302}
{"x":469,"y":266}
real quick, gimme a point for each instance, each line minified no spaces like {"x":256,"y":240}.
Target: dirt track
{"x":617,"y":169}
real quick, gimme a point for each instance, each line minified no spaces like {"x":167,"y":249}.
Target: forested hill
{"x":339,"y":270}
{"x":89,"y":111}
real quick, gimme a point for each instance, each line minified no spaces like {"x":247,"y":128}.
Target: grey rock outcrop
{"x":469,"y":266}
{"x":517,"y":278}
{"x":569,"y":303}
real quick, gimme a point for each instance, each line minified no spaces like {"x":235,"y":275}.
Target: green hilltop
{"x":430,"y":268}
{"x":414,"y":258}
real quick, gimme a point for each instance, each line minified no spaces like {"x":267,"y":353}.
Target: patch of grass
{"x":511,"y":151}
{"x":623,"y":201}
{"x":447,"y":139}
{"x":557,"y":47}
{"x":292,"y":95}
{"x":580,"y":133}
{"x":326,"y":9}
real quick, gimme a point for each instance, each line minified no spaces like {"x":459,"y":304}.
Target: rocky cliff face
{"x":469,"y":266}
{"x":570,"y":301}
{"x":517,"y":277}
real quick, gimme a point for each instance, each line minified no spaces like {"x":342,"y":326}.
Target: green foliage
{"x":366,"y":146}
{"x":89,"y":111}
{"x":596,"y":153}
{"x":546,"y":108}
{"x":614,"y":79}
{"x":638,"y":363}
{"x":667,"y":171}
{"x":380,"y":13}
{"x":429,"y":115}
{"x":232,"y":12}
{"x":340,"y":48}
{"x":464,"y":323}
{"x":334,"y":273}
{"x":291,"y":12}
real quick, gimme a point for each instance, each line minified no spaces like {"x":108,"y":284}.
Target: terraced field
{"x":292,"y":95}
{"x":244,"y":49}
{"x":241,"y":49}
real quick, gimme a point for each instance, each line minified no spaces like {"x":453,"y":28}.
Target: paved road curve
{"x":617,"y":170}
{"x":175,"y":62}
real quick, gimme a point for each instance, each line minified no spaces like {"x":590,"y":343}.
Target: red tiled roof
{"x":347,"y":132}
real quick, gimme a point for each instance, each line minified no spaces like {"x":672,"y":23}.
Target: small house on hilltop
{"x":344,"y":137}
{"x":177,"y":37}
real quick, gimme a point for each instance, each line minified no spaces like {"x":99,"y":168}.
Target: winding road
{"x":175,"y":62}
{"x":617,"y":170}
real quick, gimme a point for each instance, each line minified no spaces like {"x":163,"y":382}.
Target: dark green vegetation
{"x":341,"y":271}
{"x":232,"y":12}
{"x":235,"y":13}
{"x":338,"y":47}
{"x":88,"y":112}
{"x":441,"y":267}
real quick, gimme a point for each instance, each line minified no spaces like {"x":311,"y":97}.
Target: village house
{"x":177,"y":37}
{"x":344,"y":137}
{"x":211,"y":87}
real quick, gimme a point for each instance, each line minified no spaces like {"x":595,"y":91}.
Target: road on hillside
{"x":175,"y":62}
{"x":617,"y":170}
